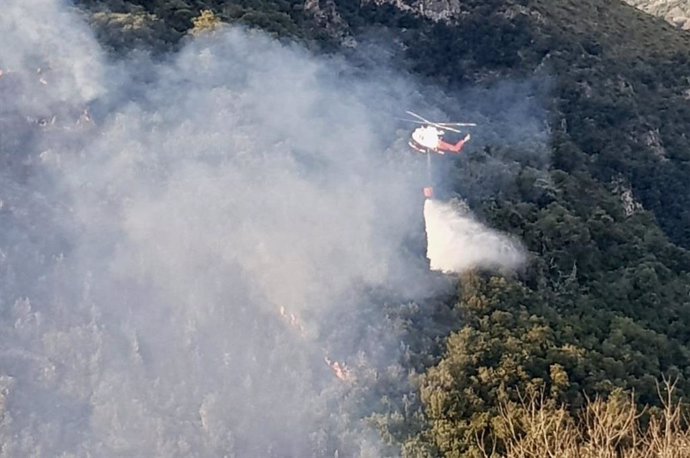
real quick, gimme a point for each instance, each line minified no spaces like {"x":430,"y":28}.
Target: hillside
{"x":591,"y":315}
{"x":602,"y":206}
{"x":619,"y":70}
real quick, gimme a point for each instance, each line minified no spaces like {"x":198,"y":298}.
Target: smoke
{"x":187,"y":245}
{"x":457,"y":243}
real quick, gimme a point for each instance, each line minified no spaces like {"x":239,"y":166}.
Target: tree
{"x":206,"y":22}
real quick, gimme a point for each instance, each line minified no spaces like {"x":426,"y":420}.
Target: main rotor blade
{"x":429,"y":123}
{"x":418,"y":117}
{"x":412,"y":120}
{"x":442,"y":127}
{"x":466,"y":124}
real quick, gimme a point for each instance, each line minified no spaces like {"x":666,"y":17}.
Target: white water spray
{"x":456,"y":243}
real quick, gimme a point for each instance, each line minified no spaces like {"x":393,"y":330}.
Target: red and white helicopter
{"x":429,"y":137}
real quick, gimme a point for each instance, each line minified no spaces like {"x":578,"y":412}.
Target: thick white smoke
{"x":185,"y":245}
{"x":177,"y":250}
{"x":457,"y":243}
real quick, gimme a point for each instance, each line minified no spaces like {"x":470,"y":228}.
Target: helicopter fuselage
{"x":428,"y":139}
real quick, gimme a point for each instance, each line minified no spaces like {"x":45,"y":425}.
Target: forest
{"x":606,"y":304}
{"x":598,"y":324}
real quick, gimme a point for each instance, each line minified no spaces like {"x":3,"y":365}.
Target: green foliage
{"x":161,"y":24}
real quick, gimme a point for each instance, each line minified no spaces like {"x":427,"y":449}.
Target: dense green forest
{"x":605,"y":302}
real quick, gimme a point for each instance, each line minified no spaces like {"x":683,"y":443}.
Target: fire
{"x":339,"y":369}
{"x":292,"y":319}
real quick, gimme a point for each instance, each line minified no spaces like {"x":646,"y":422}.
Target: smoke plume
{"x":188,"y":247}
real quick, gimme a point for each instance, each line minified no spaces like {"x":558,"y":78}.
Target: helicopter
{"x":429,"y":137}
